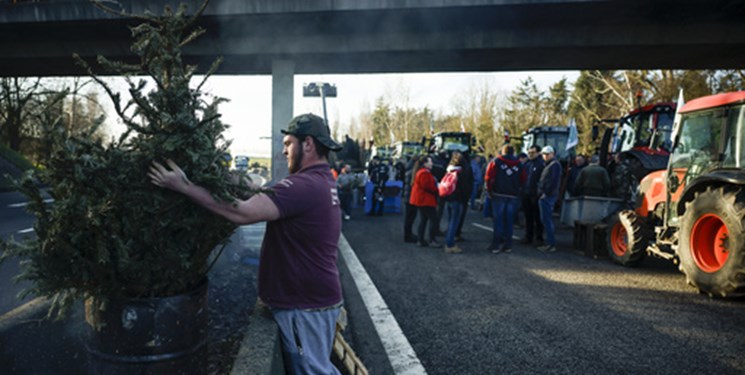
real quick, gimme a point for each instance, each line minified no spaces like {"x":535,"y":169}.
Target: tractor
{"x":693,"y":212}
{"x":554,"y":136}
{"x":441,"y":148}
{"x":640,"y":143}
{"x":405,"y":150}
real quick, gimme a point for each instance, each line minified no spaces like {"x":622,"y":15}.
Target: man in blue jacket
{"x":548,"y":192}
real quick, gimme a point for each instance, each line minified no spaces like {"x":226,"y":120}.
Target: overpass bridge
{"x":287,"y":37}
{"x":37,"y":37}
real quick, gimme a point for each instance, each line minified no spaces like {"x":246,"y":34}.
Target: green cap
{"x":314,"y":126}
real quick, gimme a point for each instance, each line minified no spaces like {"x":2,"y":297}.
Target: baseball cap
{"x":311,"y":125}
{"x":547,"y":150}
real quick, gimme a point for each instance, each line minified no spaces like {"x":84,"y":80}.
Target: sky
{"x":248,"y":111}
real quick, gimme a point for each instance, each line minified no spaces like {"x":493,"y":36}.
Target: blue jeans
{"x":475,"y":193}
{"x":345,"y":199}
{"x":454,"y":211}
{"x":503,"y":213}
{"x":546,"y":206}
{"x":307,"y":339}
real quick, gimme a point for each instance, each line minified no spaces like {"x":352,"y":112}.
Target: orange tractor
{"x":693,"y":212}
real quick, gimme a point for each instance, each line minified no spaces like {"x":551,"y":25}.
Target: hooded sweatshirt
{"x":505,"y":176}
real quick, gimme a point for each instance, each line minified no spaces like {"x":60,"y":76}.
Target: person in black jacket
{"x":533,"y":168}
{"x":548,"y":192}
{"x":410,"y":212}
{"x":378,"y":174}
{"x":456,"y":202}
{"x":467,"y":176}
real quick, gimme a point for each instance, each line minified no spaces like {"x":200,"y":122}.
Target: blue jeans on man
{"x":475,"y":193}
{"x":546,"y":206}
{"x":454,"y":212}
{"x":345,"y":200}
{"x":503,"y":213}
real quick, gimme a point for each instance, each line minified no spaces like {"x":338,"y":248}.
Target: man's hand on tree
{"x":174,"y":179}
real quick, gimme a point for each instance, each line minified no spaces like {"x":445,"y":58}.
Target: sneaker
{"x":434,"y":243}
{"x":506,"y":250}
{"x":496,"y":251}
{"x":547,"y":248}
{"x":492,"y":248}
{"x":346,"y":217}
{"x":453,"y":250}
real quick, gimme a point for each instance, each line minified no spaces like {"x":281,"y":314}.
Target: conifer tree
{"x":110,"y":232}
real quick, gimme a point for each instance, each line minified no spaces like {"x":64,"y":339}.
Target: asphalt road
{"x":35,"y":346}
{"x":15,"y":222}
{"x":533,"y":313}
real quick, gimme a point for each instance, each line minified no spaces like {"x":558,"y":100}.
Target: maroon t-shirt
{"x":298,"y":255}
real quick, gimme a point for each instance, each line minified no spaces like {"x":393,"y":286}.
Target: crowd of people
{"x":503,"y":186}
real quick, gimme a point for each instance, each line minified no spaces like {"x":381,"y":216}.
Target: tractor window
{"x":528,"y":140}
{"x":698,"y":144}
{"x":735,"y":145}
{"x":455,"y":143}
{"x":664,"y":129}
{"x":642,"y":125}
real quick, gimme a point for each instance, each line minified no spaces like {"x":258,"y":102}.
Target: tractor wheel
{"x":627,"y":238}
{"x":712,"y":242}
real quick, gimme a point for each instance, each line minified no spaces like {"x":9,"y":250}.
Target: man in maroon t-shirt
{"x":298,"y":277}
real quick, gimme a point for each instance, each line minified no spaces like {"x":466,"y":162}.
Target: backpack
{"x":447,"y":185}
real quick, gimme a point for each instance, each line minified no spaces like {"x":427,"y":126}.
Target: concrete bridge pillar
{"x":283,"y":72}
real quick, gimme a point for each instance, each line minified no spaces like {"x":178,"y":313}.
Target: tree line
{"x":490,"y":115}
{"x":30,"y":108}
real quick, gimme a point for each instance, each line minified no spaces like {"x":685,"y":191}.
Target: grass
{"x":264,"y":162}
{"x":15,"y":159}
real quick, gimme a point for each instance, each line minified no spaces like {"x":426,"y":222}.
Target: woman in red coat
{"x":424,"y":197}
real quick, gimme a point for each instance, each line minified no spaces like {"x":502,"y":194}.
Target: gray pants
{"x":307,"y":339}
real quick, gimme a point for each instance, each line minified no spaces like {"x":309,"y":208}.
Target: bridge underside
{"x":507,"y":37}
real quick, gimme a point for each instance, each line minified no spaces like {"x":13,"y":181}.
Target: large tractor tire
{"x":627,"y":238}
{"x":712,"y":242}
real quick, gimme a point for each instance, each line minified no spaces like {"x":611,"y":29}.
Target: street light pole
{"x":324,"y":90}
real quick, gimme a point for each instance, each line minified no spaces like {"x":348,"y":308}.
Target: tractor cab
{"x":441,"y":148}
{"x":647,"y":129}
{"x":554,"y":136}
{"x":709,"y":147}
{"x":448,"y":142}
{"x":406,"y":149}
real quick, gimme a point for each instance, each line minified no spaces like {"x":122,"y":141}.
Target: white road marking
{"x":484,"y":227}
{"x":24,"y":204}
{"x":401,"y":355}
{"x":27,"y":230}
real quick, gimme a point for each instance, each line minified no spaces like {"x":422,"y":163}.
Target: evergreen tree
{"x":111,"y":232}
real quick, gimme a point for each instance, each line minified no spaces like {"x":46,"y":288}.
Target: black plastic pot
{"x":151,"y":335}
